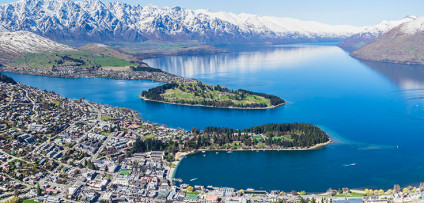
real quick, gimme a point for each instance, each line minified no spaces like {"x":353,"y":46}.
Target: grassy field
{"x":194,"y":93}
{"x":151,"y":46}
{"x":28,"y":201}
{"x":77,"y":58}
{"x":150,"y":136}
{"x":106,"y":118}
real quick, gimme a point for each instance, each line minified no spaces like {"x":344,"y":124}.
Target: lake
{"x":374,"y":113}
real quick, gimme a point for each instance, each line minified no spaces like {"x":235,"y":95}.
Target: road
{"x":11,"y":100}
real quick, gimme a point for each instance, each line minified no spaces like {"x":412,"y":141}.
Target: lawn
{"x":209,"y":93}
{"x":106,"y":118}
{"x":193,"y":193}
{"x":29,"y":201}
{"x":257,"y":137}
{"x":150,"y":136}
{"x":284,"y":137}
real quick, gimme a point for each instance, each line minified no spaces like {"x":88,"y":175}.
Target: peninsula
{"x":281,"y":136}
{"x":201,"y":94}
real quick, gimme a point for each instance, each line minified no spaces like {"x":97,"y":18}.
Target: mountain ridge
{"x":15,"y":44}
{"x":370,"y":33}
{"x":403,"y":44}
{"x":95,"y":21}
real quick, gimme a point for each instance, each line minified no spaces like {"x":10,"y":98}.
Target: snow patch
{"x":27,"y":42}
{"x":413,"y":27}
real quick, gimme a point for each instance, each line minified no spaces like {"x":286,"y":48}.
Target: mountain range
{"x":95,"y":21}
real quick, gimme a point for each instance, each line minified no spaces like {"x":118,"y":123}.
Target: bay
{"x":374,"y":113}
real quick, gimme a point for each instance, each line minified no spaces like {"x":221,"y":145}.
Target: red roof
{"x":51,"y":190}
{"x":212,"y":198}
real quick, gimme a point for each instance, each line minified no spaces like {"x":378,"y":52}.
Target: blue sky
{"x":353,"y":12}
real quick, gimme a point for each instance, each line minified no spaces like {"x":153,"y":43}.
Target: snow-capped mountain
{"x":95,"y":21}
{"x":414,"y":27}
{"x":22,"y":42}
{"x":370,"y":33}
{"x":402,"y":44}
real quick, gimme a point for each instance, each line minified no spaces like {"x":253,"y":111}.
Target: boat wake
{"x":352,"y":164}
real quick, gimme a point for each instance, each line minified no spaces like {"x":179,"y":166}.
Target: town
{"x":55,"y":149}
{"x":147,"y":73}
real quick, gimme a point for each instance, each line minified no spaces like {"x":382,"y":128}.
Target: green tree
{"x":195,"y":131}
{"x":190,"y":189}
{"x":38,"y":190}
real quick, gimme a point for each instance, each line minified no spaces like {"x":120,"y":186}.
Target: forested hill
{"x":269,"y":136}
{"x":202,"y":94}
{"x":6,"y":79}
{"x":285,"y":134}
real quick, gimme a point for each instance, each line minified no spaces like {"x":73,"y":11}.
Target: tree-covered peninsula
{"x":285,"y":136}
{"x":201,"y":94}
{"x":6,"y":79}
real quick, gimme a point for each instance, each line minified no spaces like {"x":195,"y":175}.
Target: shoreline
{"x":181,"y":155}
{"x":111,"y":74}
{"x":200,"y":105}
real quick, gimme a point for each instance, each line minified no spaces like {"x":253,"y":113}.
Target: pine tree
{"x":38,"y":190}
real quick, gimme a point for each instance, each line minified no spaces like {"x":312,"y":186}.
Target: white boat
{"x":352,"y":164}
{"x":178,"y":180}
{"x":203,"y":151}
{"x":193,"y":179}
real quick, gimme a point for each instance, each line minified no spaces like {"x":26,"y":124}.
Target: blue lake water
{"x":368,"y":109}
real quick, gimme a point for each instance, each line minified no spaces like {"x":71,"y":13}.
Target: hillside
{"x":24,"y":49}
{"x":15,"y":44}
{"x":370,"y":33}
{"x":403,"y":44}
{"x":95,"y":21}
{"x":106,"y":50}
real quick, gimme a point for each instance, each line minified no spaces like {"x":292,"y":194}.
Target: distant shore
{"x":200,"y":105}
{"x":73,"y":72}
